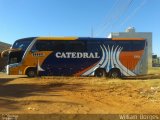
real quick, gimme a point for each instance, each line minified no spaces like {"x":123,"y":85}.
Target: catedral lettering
{"x":77,"y":55}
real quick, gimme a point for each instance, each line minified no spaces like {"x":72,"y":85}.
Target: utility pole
{"x":92,"y":32}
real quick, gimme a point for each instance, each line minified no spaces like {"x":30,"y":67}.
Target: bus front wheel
{"x":31,"y":72}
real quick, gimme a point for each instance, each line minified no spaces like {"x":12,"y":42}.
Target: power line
{"x":109,"y":16}
{"x":134,"y":12}
{"x":118,"y":13}
{"x":121,"y":13}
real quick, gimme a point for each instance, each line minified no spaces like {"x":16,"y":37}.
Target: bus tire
{"x":100,"y":73}
{"x":31,"y":72}
{"x":115,"y":73}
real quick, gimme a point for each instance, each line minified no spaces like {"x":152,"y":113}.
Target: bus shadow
{"x":10,"y":93}
{"x":5,"y":80}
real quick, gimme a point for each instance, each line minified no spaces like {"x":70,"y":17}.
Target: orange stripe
{"x":84,"y":70}
{"x":128,"y":39}
{"x":131,"y":59}
{"x":57,"y":38}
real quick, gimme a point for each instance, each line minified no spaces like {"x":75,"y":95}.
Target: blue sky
{"x":28,"y":18}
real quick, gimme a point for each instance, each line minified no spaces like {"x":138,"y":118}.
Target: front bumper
{"x":12,"y":69}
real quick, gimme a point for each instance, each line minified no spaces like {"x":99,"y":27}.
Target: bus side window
{"x":126,"y":45}
{"x":47,"y":45}
{"x":139,"y":45}
{"x":41,"y":46}
{"x":58,"y":45}
{"x":93,"y":46}
{"x":76,"y":46}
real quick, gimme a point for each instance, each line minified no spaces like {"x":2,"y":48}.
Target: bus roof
{"x":86,"y":38}
{"x":70,"y":38}
{"x":80,"y":38}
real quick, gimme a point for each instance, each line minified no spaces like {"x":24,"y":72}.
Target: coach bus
{"x":67,"y":56}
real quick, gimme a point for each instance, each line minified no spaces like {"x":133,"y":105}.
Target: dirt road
{"x":72,"y":95}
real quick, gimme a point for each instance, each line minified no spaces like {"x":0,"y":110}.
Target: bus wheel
{"x":115,"y":73}
{"x":100,"y":73}
{"x":31,"y":72}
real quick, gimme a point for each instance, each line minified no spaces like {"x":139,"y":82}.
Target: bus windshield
{"x":22,"y":44}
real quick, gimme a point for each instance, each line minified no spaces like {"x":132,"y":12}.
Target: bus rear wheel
{"x":100,"y":73}
{"x":31,"y":72}
{"x":115,"y":73}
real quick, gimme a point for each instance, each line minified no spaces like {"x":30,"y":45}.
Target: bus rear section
{"x":82,"y":57}
{"x":126,"y":57}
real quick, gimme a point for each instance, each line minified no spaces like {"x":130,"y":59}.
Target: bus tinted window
{"x":93,"y":46}
{"x":49,"y":45}
{"x":76,"y":46}
{"x":59,"y":45}
{"x":45,"y":45}
{"x":126,"y":45}
{"x":138,"y":45}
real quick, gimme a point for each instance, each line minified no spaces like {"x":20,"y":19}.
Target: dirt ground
{"x":79,"y":95}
